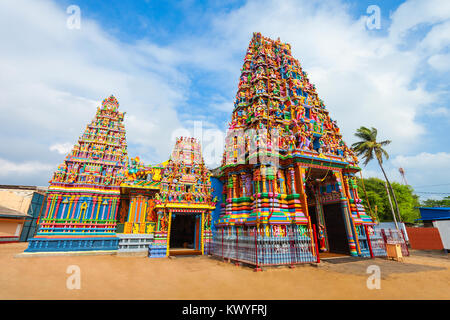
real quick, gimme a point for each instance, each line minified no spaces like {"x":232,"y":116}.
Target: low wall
{"x":424,"y":238}
{"x":391,"y":225}
{"x":444,"y":231}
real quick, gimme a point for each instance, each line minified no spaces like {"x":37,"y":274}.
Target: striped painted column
{"x":168,"y":233}
{"x":110,"y":202}
{"x":75,"y":204}
{"x":49,"y":205}
{"x":202,"y":223}
{"x":346,"y":214}
{"x":352,"y":223}
{"x":291,"y":176}
{"x":55,"y":213}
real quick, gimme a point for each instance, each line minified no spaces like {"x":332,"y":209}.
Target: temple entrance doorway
{"x":182,"y":235}
{"x":327,"y":215}
{"x":335,"y":229}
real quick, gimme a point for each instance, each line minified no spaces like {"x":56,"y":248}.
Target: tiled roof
{"x":7,"y":212}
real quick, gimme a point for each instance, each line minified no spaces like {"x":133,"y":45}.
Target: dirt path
{"x":115,"y":277}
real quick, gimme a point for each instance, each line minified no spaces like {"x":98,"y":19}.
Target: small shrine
{"x":84,"y":192}
{"x":167,"y":207}
{"x":185,"y":202}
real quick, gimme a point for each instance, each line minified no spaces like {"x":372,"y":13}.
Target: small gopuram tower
{"x":184,"y":203}
{"x":286,"y":169}
{"x":83,"y":196}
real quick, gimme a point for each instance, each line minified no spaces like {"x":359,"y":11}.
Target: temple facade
{"x":167,"y":207}
{"x":289,"y":178}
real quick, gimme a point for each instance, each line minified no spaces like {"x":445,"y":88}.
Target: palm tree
{"x":369,"y":148}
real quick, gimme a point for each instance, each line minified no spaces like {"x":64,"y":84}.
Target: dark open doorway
{"x":335,"y":228}
{"x":182,"y":231}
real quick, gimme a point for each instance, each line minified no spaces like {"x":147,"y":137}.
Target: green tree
{"x":368,"y":148}
{"x":376,"y":195}
{"x":436,"y":203}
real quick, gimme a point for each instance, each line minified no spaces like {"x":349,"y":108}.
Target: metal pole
{"x":237,"y":246}
{"x":256,"y":248}
{"x":390,"y":202}
{"x":404,"y":240}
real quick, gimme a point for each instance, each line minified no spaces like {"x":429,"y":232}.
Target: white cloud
{"x":413,"y":13}
{"x":440,"y":62}
{"x":437,"y":38}
{"x":426,"y":169}
{"x":424,"y":163}
{"x":53,"y":78}
{"x":223,"y":106}
{"x":61,"y":148}
{"x":28,"y":167}
{"x":428,"y":173}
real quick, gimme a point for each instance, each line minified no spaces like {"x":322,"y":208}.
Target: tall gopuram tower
{"x":84,"y":193}
{"x":286,"y":169}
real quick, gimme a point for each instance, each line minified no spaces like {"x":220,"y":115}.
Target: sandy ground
{"x":118,"y":277}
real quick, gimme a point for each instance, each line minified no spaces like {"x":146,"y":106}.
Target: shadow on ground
{"x":356,"y":266}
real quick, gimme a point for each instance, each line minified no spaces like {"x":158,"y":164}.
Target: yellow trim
{"x":52,"y":207}
{"x":99,"y":203}
{"x":203,"y":228}
{"x":113,"y":205}
{"x":349,"y":211}
{"x":144,"y":210}
{"x":138,"y":209}
{"x":83,"y":206}
{"x":131,"y":210}
{"x":185,"y":206}
{"x":124,"y":185}
{"x":59,"y":188}
{"x":168,"y":233}
{"x":70,"y":206}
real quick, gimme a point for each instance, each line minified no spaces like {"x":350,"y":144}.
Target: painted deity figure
{"x":261,"y":87}
{"x":281,"y":181}
{"x":322,"y":244}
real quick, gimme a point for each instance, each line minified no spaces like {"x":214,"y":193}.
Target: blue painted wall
{"x":30,"y":225}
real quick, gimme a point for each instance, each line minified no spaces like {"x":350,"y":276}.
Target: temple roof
{"x":276,"y":100}
{"x":11,"y":213}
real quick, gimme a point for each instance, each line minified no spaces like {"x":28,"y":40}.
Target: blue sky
{"x":175,"y":64}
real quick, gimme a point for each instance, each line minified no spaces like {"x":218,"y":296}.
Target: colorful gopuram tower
{"x":184,"y":203}
{"x":84,"y":193}
{"x":286,"y":169}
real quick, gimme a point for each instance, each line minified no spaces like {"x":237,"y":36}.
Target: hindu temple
{"x":287,"y":183}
